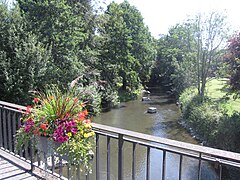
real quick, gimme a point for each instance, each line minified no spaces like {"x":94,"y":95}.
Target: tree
{"x":67,"y":28}
{"x":190,"y":53}
{"x":211,"y":33}
{"x":233,"y":60}
{"x":23,"y":60}
{"x":175,"y":65}
{"x":127,"y":50}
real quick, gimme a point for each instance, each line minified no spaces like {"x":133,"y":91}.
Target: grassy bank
{"x":217,"y":91}
{"x":215,"y":119}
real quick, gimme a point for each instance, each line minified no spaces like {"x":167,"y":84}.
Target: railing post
{"x":14,"y":130}
{"x":68,"y":171}
{"x":9,"y":125}
{"x":220,"y":172}
{"x":97,"y":157}
{"x":108,"y":158}
{"x":163,"y":165}
{"x":120,"y":157}
{"x":1,"y":128}
{"x":31,"y":154}
{"x":148,"y":164}
{"x":5,"y":129}
{"x":78,"y":173}
{"x":199,"y":166}
{"x":133,"y":161}
{"x":180,"y":168}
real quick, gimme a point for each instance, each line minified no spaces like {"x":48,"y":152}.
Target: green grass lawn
{"x":217,"y":90}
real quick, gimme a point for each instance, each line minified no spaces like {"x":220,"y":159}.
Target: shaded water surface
{"x":133,"y":116}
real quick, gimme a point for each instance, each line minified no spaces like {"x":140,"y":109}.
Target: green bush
{"x":204,"y":118}
{"x":210,"y":122}
{"x":229,"y":132}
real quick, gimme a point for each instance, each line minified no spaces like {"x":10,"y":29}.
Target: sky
{"x":160,"y":15}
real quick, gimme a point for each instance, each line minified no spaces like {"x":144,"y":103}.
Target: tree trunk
{"x":124,"y":83}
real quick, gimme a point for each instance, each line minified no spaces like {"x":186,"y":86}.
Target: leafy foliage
{"x":23,"y":60}
{"x":61,"y":26}
{"x":210,"y":120}
{"x":190,"y":53}
{"x":175,"y":65}
{"x":233,"y":60}
{"x":126,"y":53}
{"x":61,"y":117}
{"x":53,"y":42}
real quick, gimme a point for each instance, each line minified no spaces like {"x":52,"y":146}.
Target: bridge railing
{"x":116,"y":148}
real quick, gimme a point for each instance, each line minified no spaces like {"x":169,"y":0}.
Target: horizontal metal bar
{"x":12,"y":106}
{"x":171,"y":143}
{"x":153,"y":139}
{"x":183,"y":152}
{"x":115,"y":136}
{"x":166,"y":145}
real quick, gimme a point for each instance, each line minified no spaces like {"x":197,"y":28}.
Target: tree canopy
{"x":191,"y":51}
{"x":233,"y":60}
{"x":127,"y":46}
{"x":54,"y":42}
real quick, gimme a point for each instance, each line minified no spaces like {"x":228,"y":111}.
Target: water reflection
{"x":132,"y":116}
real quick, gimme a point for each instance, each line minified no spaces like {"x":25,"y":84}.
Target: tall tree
{"x":127,"y":46}
{"x":211,"y":34}
{"x":188,"y":55}
{"x":233,"y":60}
{"x":23,"y":60}
{"x":67,"y":28}
{"x":175,"y":64}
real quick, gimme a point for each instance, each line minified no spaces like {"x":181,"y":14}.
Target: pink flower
{"x":81,"y":116}
{"x":36,"y":100}
{"x":28,"y":110}
{"x":74,"y":130}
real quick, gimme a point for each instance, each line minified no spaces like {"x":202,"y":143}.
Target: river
{"x":133,"y":116}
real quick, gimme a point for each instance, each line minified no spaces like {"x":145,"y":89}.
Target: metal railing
{"x":145,"y":156}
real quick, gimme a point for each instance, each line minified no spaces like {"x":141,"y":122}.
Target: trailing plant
{"x":62,"y":118}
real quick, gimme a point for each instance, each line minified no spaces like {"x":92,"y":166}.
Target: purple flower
{"x":62,"y":139}
{"x":64,"y":119}
{"x":72,"y":123}
{"x":74,"y":130}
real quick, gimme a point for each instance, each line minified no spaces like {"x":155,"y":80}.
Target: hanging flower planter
{"x":45,"y":145}
{"x":60,"y":123}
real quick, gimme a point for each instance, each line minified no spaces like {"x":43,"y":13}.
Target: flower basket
{"x":44,"y":145}
{"x":48,"y":147}
{"x":60,"y":123}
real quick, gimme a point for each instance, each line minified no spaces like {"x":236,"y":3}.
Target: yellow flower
{"x":92,"y":133}
{"x":81,"y":132}
{"x":88,"y":125}
{"x":69,"y":134}
{"x":86,"y":135}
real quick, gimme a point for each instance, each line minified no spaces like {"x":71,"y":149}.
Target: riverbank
{"x":214,"y":119}
{"x":132,"y":115}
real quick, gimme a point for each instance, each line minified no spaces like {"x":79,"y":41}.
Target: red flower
{"x":88,"y":121}
{"x":81,"y":115}
{"x":28,"y":110}
{"x":75,"y":99}
{"x":36,"y":100}
{"x":43,"y":126}
{"x":85,"y":112}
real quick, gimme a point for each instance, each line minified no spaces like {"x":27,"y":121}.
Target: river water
{"x":133,"y":116}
